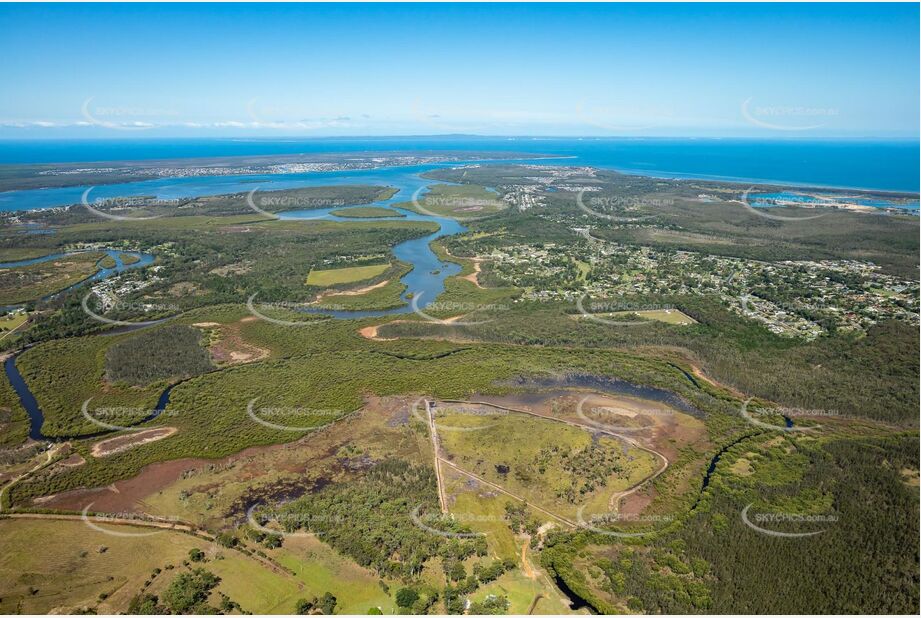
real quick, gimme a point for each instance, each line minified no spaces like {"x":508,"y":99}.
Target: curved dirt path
{"x":51,"y":452}
{"x":699,"y":373}
{"x":614,"y":502}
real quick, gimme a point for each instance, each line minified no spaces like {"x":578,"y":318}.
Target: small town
{"x":791,"y":298}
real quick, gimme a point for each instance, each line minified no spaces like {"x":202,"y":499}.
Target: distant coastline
{"x":862,"y":164}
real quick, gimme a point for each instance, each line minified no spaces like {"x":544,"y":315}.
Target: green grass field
{"x":67,"y":566}
{"x":351,"y":274}
{"x":321,"y":569}
{"x":13,"y":321}
{"x":58,"y":565}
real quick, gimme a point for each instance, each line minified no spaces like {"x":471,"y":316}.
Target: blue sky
{"x":543,"y":69}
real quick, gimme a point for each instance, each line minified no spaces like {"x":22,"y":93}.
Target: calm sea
{"x":860,"y":164}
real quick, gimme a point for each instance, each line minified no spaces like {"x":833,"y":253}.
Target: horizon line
{"x":138,"y":137}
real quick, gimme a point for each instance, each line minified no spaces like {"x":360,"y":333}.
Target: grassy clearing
{"x":351,"y":274}
{"x":13,"y":321}
{"x":60,"y":565}
{"x":521,"y":591}
{"x":584,"y":269}
{"x":52,"y":565}
{"x":322,"y":569}
{"x":558,"y":467}
{"x":387,"y":296}
{"x":483,"y":511}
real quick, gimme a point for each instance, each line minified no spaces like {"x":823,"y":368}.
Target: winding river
{"x":425,"y":281}
{"x":36,"y":418}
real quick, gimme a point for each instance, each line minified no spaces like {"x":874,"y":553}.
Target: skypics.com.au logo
{"x":112,"y":303}
{"x":786,"y":117}
{"x":282,"y":418}
{"x":601,"y":206}
{"x":106,"y":207}
{"x":772,"y":519}
{"x":289,"y":201}
{"x":464,"y":311}
{"x":611,"y":308}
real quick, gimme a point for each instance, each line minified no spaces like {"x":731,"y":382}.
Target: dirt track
{"x":616,"y":498}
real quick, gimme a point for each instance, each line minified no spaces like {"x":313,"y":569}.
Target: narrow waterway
{"x":37,"y":418}
{"x":143,"y":259}
{"x":425,"y":281}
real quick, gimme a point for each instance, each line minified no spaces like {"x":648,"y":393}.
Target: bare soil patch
{"x":370,"y":332}
{"x":355,"y":292}
{"x":127,"y":495}
{"x":216,"y":489}
{"x":125,"y":442}
{"x":474,"y":277}
{"x":230,"y":348}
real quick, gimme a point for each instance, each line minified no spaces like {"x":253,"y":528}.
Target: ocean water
{"x":845,"y":163}
{"x":771,"y":199}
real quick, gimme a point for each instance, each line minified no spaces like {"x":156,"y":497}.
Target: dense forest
{"x":168,"y":353}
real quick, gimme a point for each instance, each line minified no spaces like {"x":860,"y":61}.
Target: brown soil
{"x":474,"y":276}
{"x":73,"y":461}
{"x":126,"y":495}
{"x":231,"y":348}
{"x":636,"y":503}
{"x":355,"y":292}
{"x":125,"y":442}
{"x":256,"y":470}
{"x":370,"y":332}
